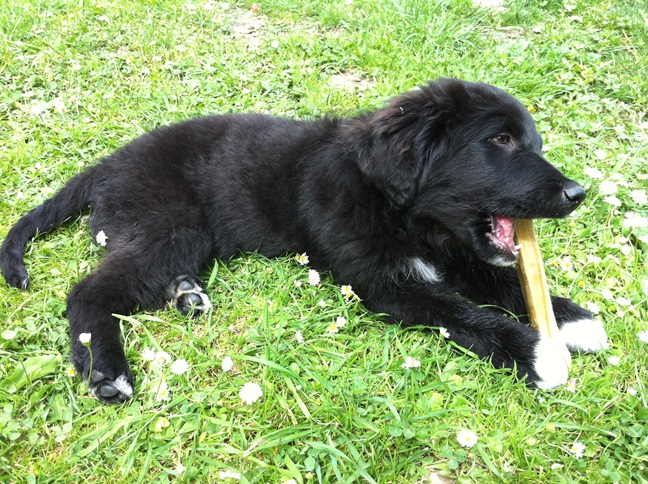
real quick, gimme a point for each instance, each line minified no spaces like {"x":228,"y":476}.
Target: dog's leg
{"x":579,"y":329}
{"x":499,"y":287}
{"x":486,"y":333}
{"x":91,"y":306}
{"x":127,"y":278}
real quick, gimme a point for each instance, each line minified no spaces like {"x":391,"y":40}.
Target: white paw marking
{"x":205,"y":303}
{"x":552,"y":361}
{"x":585,"y":335}
{"x":424,"y":271}
{"x":121,"y":384}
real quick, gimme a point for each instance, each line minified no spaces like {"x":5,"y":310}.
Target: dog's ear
{"x":397,"y":141}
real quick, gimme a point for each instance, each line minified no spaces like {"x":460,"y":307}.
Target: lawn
{"x":343,"y":398}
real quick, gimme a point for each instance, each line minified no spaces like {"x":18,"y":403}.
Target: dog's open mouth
{"x":501,"y":235}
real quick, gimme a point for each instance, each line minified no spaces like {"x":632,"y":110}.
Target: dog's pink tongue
{"x":504,"y":231}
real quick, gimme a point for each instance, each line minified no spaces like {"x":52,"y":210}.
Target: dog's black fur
{"x":412,"y":205}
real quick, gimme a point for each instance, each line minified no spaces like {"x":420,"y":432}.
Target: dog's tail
{"x":69,"y":201}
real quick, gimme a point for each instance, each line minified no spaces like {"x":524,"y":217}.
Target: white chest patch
{"x":423,"y":271}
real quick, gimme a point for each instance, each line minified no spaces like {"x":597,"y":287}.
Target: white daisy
{"x":593,"y":173}
{"x":639,"y":197}
{"x":467,"y":438}
{"x":302,"y":259}
{"x":643,"y":336}
{"x":411,"y":363}
{"x":299,"y":337}
{"x":577,"y":449}
{"x":250,"y":393}
{"x":313,"y":277}
{"x":179,"y":367}
{"x":608,"y":188}
{"x":227,"y":364}
{"x":148,"y":354}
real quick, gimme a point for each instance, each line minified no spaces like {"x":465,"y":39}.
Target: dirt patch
{"x":247,"y":25}
{"x":350,"y":82}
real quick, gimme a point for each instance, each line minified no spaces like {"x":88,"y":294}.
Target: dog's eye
{"x":501,"y":139}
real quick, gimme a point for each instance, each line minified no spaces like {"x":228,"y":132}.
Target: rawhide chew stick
{"x":533,"y":280}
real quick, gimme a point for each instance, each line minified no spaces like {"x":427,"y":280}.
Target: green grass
{"x":79,"y":79}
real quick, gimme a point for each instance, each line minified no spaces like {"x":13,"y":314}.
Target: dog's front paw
{"x":106,"y":371}
{"x":551,"y":364}
{"x":586,"y":335}
{"x":109,"y":390}
{"x":187,"y":296}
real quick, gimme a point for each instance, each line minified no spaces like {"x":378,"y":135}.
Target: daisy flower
{"x":162,"y":392}
{"x":639,"y":197}
{"x":632,"y":391}
{"x":623,"y":301}
{"x":467,"y":438}
{"x":607,"y":294}
{"x":614,"y":360}
{"x":600,"y":154}
{"x":229,"y":474}
{"x":162,"y":357}
{"x":297,"y":283}
{"x":577,"y":449}
{"x":85,"y":338}
{"x":347,"y":292}
{"x":570,"y":386}
{"x":101,"y":238}
{"x":612,"y":200}
{"x":635,"y":221}
{"x":250,"y":393}
{"x":340,"y":322}
{"x":322,"y":303}
{"x":302,"y":259}
{"x":332,"y":329}
{"x":593,"y":173}
{"x":148,"y":354}
{"x":643,"y":336}
{"x":444,"y":332}
{"x":227,"y":364}
{"x":411,"y":363}
{"x":608,"y":188}
{"x":299,"y":337}
{"x":71,"y":372}
{"x":313,"y":277}
{"x":566,"y":264}
{"x":179,"y":367}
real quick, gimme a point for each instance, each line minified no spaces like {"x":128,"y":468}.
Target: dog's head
{"x":466,"y":156}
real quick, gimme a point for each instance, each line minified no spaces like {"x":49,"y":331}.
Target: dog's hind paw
{"x":108,"y":390}
{"x":551,"y":364}
{"x":187,"y":296}
{"x":586,"y":335}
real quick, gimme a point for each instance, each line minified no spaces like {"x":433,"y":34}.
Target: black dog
{"x":414,"y":205}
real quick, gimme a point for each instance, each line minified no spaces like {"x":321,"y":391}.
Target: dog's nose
{"x":574,"y":193}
